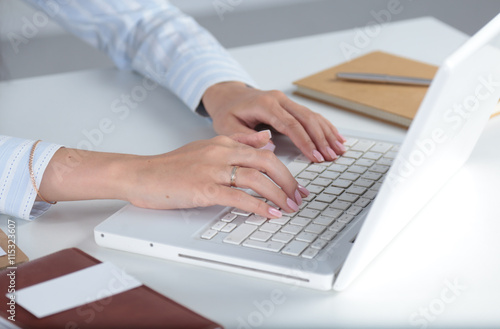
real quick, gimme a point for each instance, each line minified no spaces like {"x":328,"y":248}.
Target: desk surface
{"x":443,"y":270}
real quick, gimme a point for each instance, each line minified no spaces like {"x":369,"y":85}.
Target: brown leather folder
{"x":140,"y":307}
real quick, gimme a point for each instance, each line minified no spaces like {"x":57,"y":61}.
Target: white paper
{"x":75,"y":289}
{"x":2,"y":252}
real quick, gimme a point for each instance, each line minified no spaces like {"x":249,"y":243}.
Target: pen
{"x":383,"y":78}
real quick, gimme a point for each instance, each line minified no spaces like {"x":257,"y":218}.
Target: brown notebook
{"x":389,"y":102}
{"x":140,"y":307}
{"x":14,"y":255}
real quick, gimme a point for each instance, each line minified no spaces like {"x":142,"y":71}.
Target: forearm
{"x":85,"y":175}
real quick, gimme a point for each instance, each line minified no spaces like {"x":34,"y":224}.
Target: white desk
{"x":454,"y":239}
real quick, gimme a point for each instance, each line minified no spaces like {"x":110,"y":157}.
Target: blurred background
{"x":234,"y":23}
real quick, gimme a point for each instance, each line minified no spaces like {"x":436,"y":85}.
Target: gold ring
{"x":232,"y":182}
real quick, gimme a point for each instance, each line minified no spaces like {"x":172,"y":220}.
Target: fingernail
{"x":269,"y":146}
{"x":340,"y":145}
{"x":318,"y":156}
{"x":292,"y":204}
{"x":303,"y":190}
{"x":298,"y":198}
{"x":268,"y":131}
{"x":332,"y":153}
{"x":274,"y":212}
{"x":343,"y":138}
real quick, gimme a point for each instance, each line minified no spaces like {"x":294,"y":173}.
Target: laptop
{"x":358,"y":203}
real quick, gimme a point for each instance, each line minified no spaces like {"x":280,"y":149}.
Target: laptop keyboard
{"x":340,"y":190}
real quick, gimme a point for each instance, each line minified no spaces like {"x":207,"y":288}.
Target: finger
{"x":254,"y":139}
{"x":255,"y":180}
{"x":333,"y":139}
{"x":236,"y":198}
{"x":266,"y":162}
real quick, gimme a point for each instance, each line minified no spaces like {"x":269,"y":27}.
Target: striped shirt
{"x":151,"y":37}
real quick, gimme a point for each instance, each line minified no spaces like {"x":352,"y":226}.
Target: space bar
{"x":240,"y":234}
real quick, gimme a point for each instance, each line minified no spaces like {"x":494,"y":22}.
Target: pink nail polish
{"x":318,"y":156}
{"x":343,"y":138}
{"x":269,"y":146}
{"x":332,"y":153}
{"x":340,"y":145}
{"x":292,"y":204}
{"x":298,"y":198}
{"x":303,"y":190}
{"x":274,"y":212}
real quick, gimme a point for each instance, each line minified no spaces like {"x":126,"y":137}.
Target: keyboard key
{"x":229,"y":217}
{"x":300,"y":221}
{"x":328,"y":235}
{"x":261,"y":236}
{"x":310,"y":197}
{"x":280,"y":221}
{"x":309,"y":213}
{"x":324,"y":220}
{"x":310,"y":253}
{"x":295,"y":248}
{"x":282,"y":237}
{"x":218,"y":226}
{"x":349,"y":176}
{"x":296,"y":167}
{"x":314,"y":188}
{"x":239,"y":234}
{"x":317,"y":205}
{"x":370,"y":194}
{"x":381,"y":147}
{"x":372,"y":155}
{"x":333,"y":190}
{"x":315,"y":228}
{"x":319,"y":244}
{"x":228,"y":228}
{"x":303,"y":182}
{"x":371,"y":175}
{"x":273,"y":246}
{"x":291,"y":229}
{"x":385,"y":162}
{"x":324,"y":197}
{"x":354,"y":210}
{"x":379,"y":168}
{"x":362,"y":202}
{"x":316,"y":168}
{"x":363,"y":182}
{"x":342,"y":205}
{"x":348,"y":197}
{"x":209,"y":234}
{"x":241,"y":212}
{"x":362,"y":145}
{"x":365,"y":162}
{"x":353,"y":154}
{"x":376,"y":186}
{"x":306,"y":237}
{"x":271,"y":228}
{"x":345,"y":218}
{"x":256,"y":220}
{"x":350,"y":141}
{"x":302,"y":158}
{"x":337,"y":167}
{"x":308,"y":175}
{"x":341,"y":183}
{"x":344,"y":161}
{"x":322,"y":181}
{"x":356,"y":190}
{"x":331,"y":212}
{"x":329,"y":174}
{"x":391,"y":155}
{"x":325,"y":163}
{"x":336,"y":227}
{"x":357,"y":169}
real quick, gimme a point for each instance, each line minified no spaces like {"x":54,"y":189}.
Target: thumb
{"x":259,"y":139}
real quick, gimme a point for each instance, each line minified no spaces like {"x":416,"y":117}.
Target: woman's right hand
{"x":195,"y":175}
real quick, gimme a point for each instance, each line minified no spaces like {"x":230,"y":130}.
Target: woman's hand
{"x":195,"y":175}
{"x":236,"y":108}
